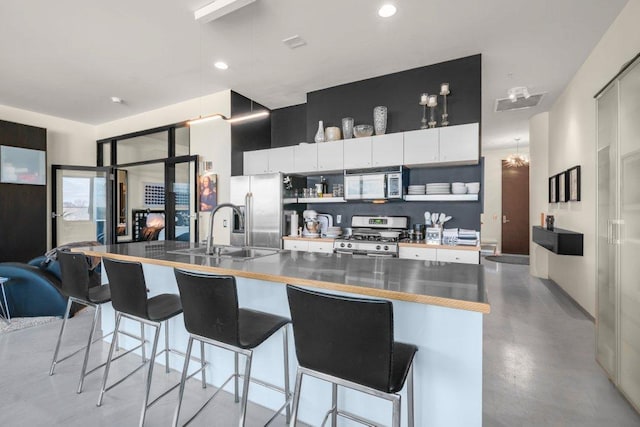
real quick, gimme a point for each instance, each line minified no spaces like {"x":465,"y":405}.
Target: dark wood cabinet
{"x":559,"y":241}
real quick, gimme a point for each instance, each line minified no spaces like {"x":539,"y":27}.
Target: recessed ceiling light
{"x":116,"y":100}
{"x":221,"y":65}
{"x":387,"y":10}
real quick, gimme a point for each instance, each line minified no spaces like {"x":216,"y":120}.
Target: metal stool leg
{"x":166,"y":346}
{"x":296,"y":398}
{"x":106,"y":368}
{"x":152,"y":360}
{"x":115,"y":336}
{"x":235,"y":379}
{"x":144,"y":357}
{"x":64,"y":323}
{"x":396,"y":412}
{"x":245,"y":388}
{"x":287,"y":392}
{"x":96,"y":315}
{"x":334,"y":405}
{"x":202,"y":365}
{"x":410,"y":408}
{"x":183,"y":379}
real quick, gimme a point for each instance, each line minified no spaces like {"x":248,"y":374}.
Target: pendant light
{"x":517,"y":160}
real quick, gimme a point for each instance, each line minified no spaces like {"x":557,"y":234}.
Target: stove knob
{"x":349,"y":245}
{"x":386,"y":248}
{"x":342,"y":245}
{"x":378,"y":247}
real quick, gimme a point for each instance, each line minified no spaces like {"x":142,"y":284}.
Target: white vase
{"x":320,"y":134}
{"x":380,"y":120}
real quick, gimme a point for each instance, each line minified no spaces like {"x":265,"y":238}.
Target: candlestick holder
{"x":444,"y":91}
{"x":423,"y":102}
{"x":432,"y":103}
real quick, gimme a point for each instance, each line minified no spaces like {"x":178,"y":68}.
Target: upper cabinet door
{"x":357,"y":153}
{"x":387,"y":150}
{"x":331,"y":156}
{"x":460,"y":144}
{"x":281,"y":159}
{"x":255,"y":162}
{"x":421,"y":147}
{"x":305,"y":158}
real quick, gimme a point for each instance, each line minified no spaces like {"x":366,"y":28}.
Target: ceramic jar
{"x":332,"y":133}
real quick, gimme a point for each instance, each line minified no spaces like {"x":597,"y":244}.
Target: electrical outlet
{"x":338,"y":219}
{"x":224,"y":223}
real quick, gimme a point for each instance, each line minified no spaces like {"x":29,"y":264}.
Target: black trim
{"x":624,"y":68}
{"x":145,"y":132}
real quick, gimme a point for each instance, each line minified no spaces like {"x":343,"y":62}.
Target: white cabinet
{"x":255,"y":162}
{"x":357,"y":153}
{"x":387,"y":150}
{"x":409,"y":252}
{"x":460,"y":144}
{"x":321,"y":246}
{"x":305,"y":158}
{"x":281,"y":159}
{"x":421,"y":147}
{"x":437,"y":254}
{"x":296,"y":245}
{"x":331,"y":156}
{"x":461,"y":256}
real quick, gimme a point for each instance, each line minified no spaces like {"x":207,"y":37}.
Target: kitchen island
{"x":437,"y":306}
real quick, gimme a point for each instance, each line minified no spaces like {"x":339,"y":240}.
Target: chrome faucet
{"x":237,"y":210}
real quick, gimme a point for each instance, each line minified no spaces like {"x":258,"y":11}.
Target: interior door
{"x":81,"y":197}
{"x":181,"y":198}
{"x":515,"y":209}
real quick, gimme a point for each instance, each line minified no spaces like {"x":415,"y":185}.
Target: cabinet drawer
{"x":464,"y":257}
{"x":296,"y":245}
{"x":323,"y":247}
{"x":427,"y":254}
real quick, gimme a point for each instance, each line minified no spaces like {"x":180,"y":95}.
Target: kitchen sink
{"x":238,"y":253}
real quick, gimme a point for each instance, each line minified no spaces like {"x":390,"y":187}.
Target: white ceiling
{"x":67,"y":58}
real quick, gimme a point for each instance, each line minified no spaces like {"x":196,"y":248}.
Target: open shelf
{"x":442,"y":198}
{"x":321,"y":200}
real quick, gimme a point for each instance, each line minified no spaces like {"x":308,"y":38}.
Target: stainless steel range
{"x":373,"y":236}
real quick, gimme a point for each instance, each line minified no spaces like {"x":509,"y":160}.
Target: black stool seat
{"x":401,"y":362}
{"x":163,"y":307}
{"x":256,"y":326}
{"x":99,"y":294}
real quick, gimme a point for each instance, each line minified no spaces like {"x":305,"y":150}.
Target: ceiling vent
{"x":294,"y":42}
{"x":507,"y":104}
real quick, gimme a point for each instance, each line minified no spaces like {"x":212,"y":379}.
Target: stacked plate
{"x":438,"y":188}
{"x":333,"y":232}
{"x":458,"y":188}
{"x":416,"y":190}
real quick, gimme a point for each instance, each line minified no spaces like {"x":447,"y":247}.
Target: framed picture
{"x":553,"y":189}
{"x":573,"y":183}
{"x":207,"y":193}
{"x":562,"y":187}
{"x":22,"y":166}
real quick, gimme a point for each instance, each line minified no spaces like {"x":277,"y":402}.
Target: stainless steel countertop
{"x":453,"y":285}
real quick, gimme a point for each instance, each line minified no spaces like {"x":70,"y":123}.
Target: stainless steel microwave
{"x":375,"y":185}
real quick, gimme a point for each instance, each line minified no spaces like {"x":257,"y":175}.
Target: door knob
{"x":504,"y":219}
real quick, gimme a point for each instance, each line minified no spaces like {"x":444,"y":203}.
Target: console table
{"x":559,"y":241}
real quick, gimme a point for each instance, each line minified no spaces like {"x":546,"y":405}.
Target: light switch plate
{"x":338,"y":219}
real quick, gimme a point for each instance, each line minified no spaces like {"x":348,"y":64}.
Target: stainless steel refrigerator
{"x":261,"y":198}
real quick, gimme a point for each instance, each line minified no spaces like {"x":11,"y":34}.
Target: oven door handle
{"x":374,"y":255}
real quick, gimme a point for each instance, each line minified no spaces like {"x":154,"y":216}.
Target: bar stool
{"x":349,"y":342}
{"x":129,"y":299}
{"x":74,"y":270}
{"x":212,"y":316}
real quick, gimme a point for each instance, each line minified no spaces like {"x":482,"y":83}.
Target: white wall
{"x":211,"y":140}
{"x":491,"y":228}
{"x":572,"y":141}
{"x":68,"y":143}
{"x":538,"y":189}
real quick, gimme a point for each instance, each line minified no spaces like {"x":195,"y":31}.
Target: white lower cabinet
{"x":426,"y":254}
{"x":308,"y":246}
{"x":444,"y":255}
{"x":296,"y":245}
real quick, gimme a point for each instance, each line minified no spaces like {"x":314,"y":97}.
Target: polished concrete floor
{"x":539,"y":370}
{"x":539,"y":362}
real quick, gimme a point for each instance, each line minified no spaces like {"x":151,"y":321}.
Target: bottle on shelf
{"x":325,"y":186}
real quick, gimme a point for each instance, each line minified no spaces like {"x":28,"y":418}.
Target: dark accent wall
{"x":247,"y":136}
{"x":23,"y":208}
{"x":289,"y":125}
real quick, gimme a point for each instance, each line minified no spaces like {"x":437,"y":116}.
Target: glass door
{"x":182,"y":216}
{"x":80,"y":197}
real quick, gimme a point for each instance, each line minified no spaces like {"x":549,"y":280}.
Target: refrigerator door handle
{"x":248,"y":226}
